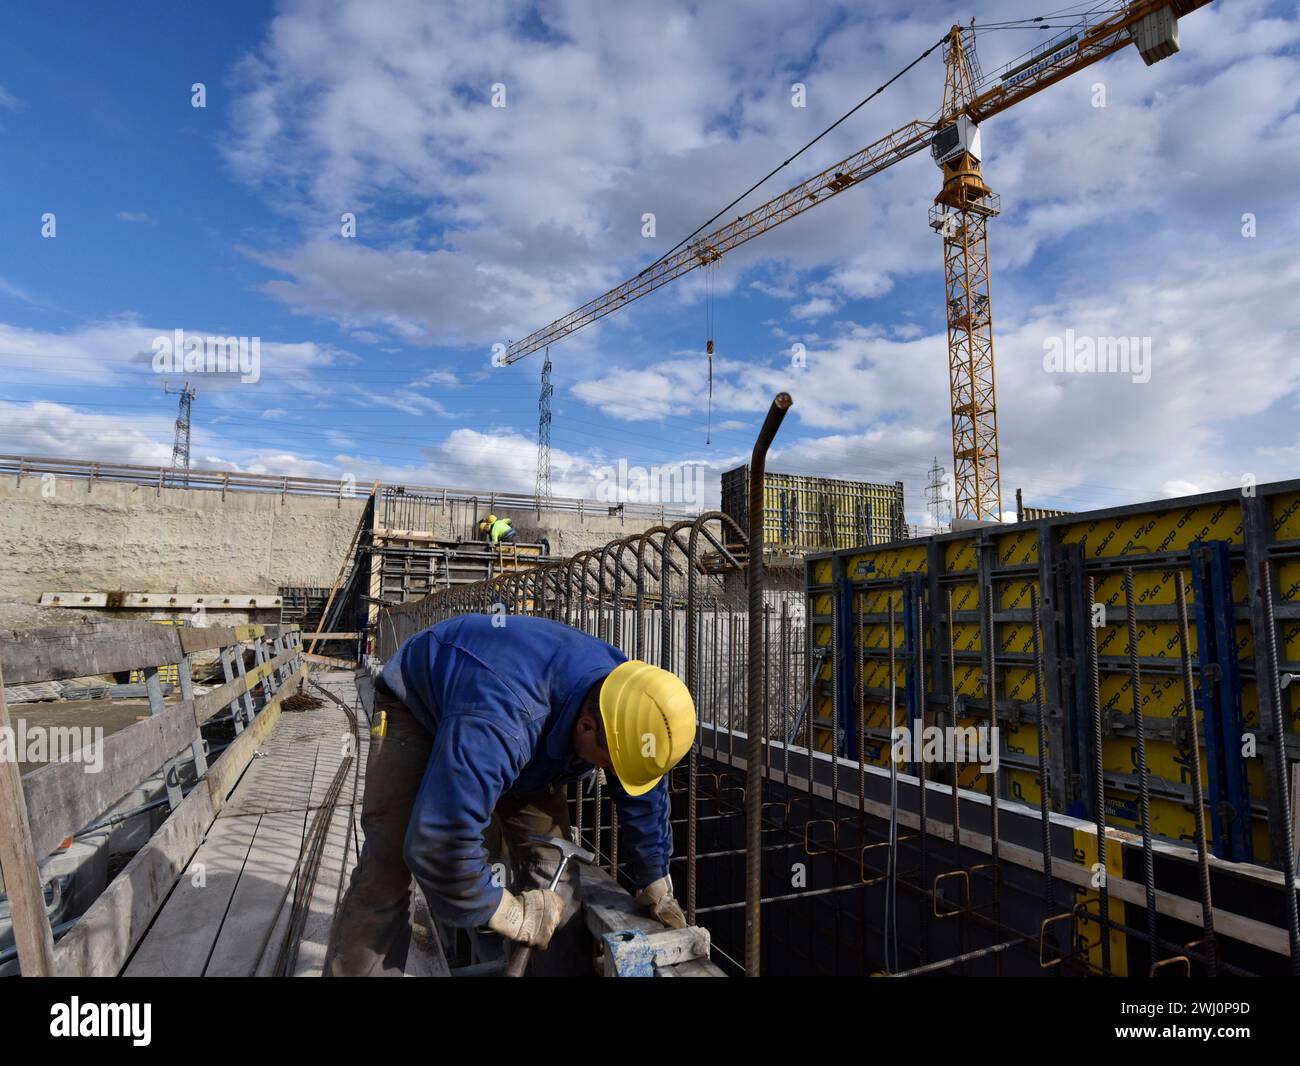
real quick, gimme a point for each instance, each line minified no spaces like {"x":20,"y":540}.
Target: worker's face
{"x":589,"y":741}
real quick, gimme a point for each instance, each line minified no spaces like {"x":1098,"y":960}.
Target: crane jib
{"x":1057,"y":60}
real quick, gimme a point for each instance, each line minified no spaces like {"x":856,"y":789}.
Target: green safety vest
{"x":498,"y":529}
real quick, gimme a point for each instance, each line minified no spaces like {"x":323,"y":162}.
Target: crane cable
{"x":847,"y":114}
{"x":708,"y":348}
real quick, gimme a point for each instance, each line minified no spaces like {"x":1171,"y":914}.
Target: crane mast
{"x":960,"y":215}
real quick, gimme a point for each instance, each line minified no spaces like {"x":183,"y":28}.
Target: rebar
{"x":1144,"y":783}
{"x":700,"y":623}
{"x":1198,"y":800}
{"x":1277,"y":727}
{"x":754,"y":719}
{"x":1044,"y":784}
{"x":1098,"y":773}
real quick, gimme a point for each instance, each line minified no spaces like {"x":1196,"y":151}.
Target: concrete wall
{"x":75,"y":535}
{"x":87,"y":536}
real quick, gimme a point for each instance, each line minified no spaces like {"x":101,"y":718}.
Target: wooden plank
{"x":225,"y":777}
{"x":209,"y":601}
{"x":22,"y":879}
{"x":304,"y":747}
{"x":103,"y":938}
{"x":73,"y":599}
{"x":338,"y":857}
{"x":206,"y":638}
{"x":335,"y":636}
{"x":219,"y":698}
{"x":182,"y":937}
{"x":52,"y":653}
{"x":64,"y":796}
{"x":265,"y":882}
{"x":330,"y":660}
{"x":609,"y":909}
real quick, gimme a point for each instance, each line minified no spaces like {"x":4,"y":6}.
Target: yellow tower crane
{"x":960,"y":215}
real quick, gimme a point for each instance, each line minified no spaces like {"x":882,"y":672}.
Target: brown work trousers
{"x":372,"y":932}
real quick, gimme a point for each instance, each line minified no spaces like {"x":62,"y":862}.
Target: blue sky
{"x":478,"y":224}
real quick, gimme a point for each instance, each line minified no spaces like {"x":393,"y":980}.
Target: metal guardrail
{"x":161,"y":477}
{"x":39,"y":809}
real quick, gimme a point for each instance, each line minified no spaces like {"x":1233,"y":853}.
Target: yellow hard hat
{"x":649,"y":719}
{"x":491,"y":519}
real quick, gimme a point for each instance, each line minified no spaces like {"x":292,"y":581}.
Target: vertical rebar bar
{"x":1044,"y":785}
{"x":889,"y":932}
{"x":994,"y":788}
{"x":1099,"y":774}
{"x":1144,"y":783}
{"x":952,"y":721}
{"x":1198,"y":797}
{"x":1277,"y":727}
{"x":754,"y":724}
{"x":922,"y":768}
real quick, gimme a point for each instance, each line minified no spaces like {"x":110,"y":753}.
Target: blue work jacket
{"x":501,"y":701}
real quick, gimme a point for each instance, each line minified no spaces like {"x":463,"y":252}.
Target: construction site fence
{"x":691,"y":621}
{"x":45,"y":810}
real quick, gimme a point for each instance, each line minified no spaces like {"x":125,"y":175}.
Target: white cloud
{"x":818,"y":307}
{"x":43,"y":428}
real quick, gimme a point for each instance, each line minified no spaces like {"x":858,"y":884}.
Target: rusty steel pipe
{"x":754,"y":716}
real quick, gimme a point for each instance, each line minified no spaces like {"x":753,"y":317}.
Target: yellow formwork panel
{"x":1102,"y":538}
{"x":1150,"y":533}
{"x":1090,"y":929}
{"x":875,"y":670}
{"x":959,"y":555}
{"x":1288,"y":575}
{"x":1285,"y":508}
{"x":1018,"y":548}
{"x":881,"y":564}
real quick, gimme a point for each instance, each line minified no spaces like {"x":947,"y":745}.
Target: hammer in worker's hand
{"x":568,"y":850}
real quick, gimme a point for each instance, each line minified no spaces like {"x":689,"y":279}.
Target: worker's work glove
{"x":528,"y":919}
{"x":657,"y":897}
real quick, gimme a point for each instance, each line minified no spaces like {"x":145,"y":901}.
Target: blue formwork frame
{"x":847,"y":671}
{"x":849,"y":658}
{"x":1219,"y":696}
{"x":913,"y":593}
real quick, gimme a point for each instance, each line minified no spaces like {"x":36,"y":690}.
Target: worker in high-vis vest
{"x":497,"y":530}
{"x":486,"y":726}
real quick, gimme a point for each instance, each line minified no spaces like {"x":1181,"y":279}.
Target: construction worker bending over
{"x":497,"y":530}
{"x":492,"y":717}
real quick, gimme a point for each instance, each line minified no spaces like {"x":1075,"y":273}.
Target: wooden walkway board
{"x":229,"y":911}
